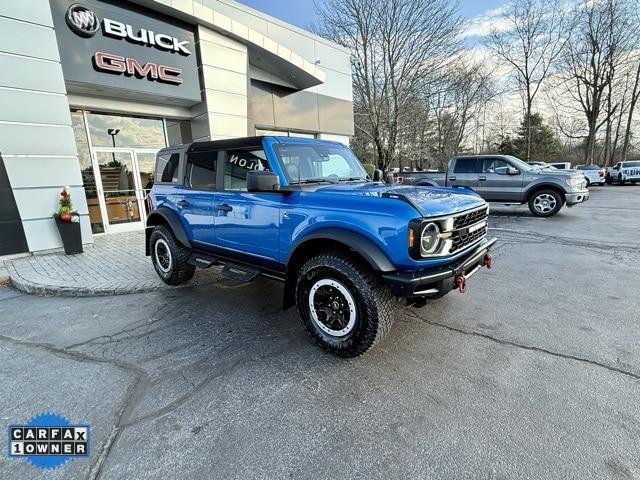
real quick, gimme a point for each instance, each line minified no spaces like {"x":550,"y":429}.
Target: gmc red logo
{"x":130,"y":66}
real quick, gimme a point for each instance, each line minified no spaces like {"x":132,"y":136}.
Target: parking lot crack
{"x":532,"y":348}
{"x":133,"y":395}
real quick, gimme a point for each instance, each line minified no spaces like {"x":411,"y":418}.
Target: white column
{"x":225,"y":85}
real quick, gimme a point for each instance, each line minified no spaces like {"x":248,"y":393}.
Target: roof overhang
{"x":263,"y":52}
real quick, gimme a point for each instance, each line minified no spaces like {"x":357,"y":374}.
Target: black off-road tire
{"x":620,"y":181}
{"x":559,"y":202}
{"x":374,"y":302}
{"x":176,"y":270}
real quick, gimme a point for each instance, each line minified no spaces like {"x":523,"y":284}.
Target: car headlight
{"x":429,"y":239}
{"x":574,"y":181}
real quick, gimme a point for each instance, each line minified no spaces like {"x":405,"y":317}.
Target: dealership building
{"x":91,"y":90}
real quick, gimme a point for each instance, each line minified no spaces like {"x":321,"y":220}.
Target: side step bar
{"x":235,"y":271}
{"x":239,"y":272}
{"x":201,"y":260}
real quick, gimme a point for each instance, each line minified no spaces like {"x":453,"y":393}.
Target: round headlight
{"x":429,"y":239}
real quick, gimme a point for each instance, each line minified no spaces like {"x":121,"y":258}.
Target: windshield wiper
{"x":352,"y":179}
{"x":311,"y":180}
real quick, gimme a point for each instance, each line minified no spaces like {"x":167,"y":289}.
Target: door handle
{"x":452,"y":179}
{"x":482,"y":178}
{"x":182,"y":203}
{"x":223,"y":207}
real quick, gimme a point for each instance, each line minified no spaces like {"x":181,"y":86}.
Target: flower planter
{"x":70,"y":235}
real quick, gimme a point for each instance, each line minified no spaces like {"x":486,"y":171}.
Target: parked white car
{"x":623,"y":172}
{"x":594,"y":173}
{"x":561,"y":165}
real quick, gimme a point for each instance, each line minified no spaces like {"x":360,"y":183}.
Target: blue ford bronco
{"x":305,"y":212}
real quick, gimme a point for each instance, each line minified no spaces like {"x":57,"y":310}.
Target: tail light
{"x":601,"y":173}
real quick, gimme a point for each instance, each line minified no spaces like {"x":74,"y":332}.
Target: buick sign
{"x":82,"y":20}
{"x":127,"y":50}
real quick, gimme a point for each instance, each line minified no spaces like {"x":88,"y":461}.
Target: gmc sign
{"x":130,"y":66}
{"x":123,"y":46}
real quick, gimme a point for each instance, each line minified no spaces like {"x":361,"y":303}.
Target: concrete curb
{"x":46,"y":289}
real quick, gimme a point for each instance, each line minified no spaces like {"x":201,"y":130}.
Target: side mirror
{"x":513,"y":171}
{"x":262,"y":181}
{"x":377,"y":175}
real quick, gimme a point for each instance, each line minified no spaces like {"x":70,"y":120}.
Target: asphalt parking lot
{"x":533,"y":373}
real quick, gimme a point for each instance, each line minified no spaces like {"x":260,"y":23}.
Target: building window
{"x":86,"y":169}
{"x":119,"y":131}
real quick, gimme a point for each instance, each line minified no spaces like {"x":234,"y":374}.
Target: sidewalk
{"x":115,"y":265}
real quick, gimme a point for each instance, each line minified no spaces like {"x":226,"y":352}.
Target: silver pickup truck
{"x":507,"y":179}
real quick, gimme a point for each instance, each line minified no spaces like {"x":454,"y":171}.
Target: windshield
{"x":519,"y":164}
{"x":631,"y":164}
{"x":319,"y":163}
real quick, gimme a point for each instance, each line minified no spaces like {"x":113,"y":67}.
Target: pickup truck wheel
{"x":545,"y":203}
{"x":170,"y":257}
{"x":343,"y":306}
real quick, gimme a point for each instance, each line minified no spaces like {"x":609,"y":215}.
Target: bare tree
{"x":457,"y":103}
{"x":633,"y":103}
{"x":530,"y":39}
{"x":395,"y":45}
{"x":600,"y":40}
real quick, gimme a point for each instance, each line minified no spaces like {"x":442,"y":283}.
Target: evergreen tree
{"x":544,"y":142}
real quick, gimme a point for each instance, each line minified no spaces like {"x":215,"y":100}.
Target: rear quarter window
{"x":168,"y":168}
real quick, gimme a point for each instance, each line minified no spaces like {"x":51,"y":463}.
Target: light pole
{"x":113,"y":132}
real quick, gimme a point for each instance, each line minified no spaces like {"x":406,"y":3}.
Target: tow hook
{"x":488,"y":260}
{"x":461,"y":283}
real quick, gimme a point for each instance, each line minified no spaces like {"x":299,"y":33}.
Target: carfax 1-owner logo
{"x":48,"y":440}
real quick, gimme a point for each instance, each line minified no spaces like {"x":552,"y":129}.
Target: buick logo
{"x":82,"y":20}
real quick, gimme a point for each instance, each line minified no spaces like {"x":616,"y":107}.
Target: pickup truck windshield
{"x":319,"y":163}
{"x":519,"y":164}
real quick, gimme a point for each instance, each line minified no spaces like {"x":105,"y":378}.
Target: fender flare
{"x":358,"y":242}
{"x":167,"y":216}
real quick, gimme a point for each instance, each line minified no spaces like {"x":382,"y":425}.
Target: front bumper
{"x":573,"y":198}
{"x":631,"y":178}
{"x":436,"y":282}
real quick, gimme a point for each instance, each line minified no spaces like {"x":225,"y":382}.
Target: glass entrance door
{"x":145,"y":163}
{"x":119,"y":189}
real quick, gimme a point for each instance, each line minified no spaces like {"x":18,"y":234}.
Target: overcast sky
{"x":302,"y":12}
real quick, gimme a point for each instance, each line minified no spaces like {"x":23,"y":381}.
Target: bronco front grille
{"x":457,"y":232}
{"x":471,"y":218}
{"x":463,"y":240}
